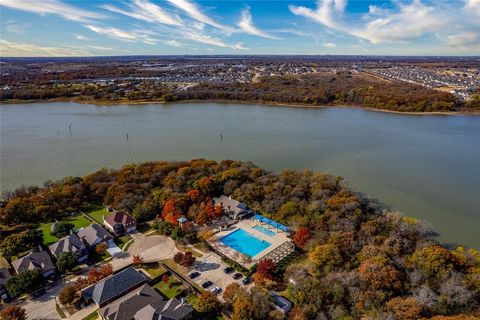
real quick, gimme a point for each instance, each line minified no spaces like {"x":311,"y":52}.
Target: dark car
{"x":246,"y":281}
{"x":228,"y":270}
{"x":207,"y":284}
{"x":194,"y":275}
{"x":237,"y":276}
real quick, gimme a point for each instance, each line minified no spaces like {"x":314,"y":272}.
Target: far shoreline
{"x":263,"y":103}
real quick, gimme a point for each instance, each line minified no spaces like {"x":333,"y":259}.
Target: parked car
{"x":228,"y":270}
{"x":194,"y":275}
{"x":207,"y":284}
{"x":247,"y":281}
{"x":237,"y":276}
{"x":216,"y":290}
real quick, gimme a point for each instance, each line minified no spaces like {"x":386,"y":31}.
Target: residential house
{"x":4,"y":276}
{"x":280,"y":303}
{"x":93,"y":235}
{"x":145,"y":304}
{"x":36,"y":260}
{"x":120,"y":222}
{"x":70,"y":243}
{"x":114,"y":286}
{"x":235,"y":209}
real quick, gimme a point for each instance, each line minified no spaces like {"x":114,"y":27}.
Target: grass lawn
{"x":78,"y":222}
{"x":92,"y":316}
{"x":175,"y":267}
{"x":121,"y":241}
{"x":98,"y":214}
{"x":155,"y":270}
{"x":95,"y":257}
{"x":170,"y":289}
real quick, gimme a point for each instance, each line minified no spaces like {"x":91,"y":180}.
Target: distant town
{"x":458,"y":76}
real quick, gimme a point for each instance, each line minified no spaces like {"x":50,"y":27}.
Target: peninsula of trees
{"x":356,"y":259}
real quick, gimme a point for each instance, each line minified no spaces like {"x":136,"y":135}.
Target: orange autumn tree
{"x":169,"y":212}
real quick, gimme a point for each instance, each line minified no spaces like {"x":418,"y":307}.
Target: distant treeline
{"x":342,"y":88}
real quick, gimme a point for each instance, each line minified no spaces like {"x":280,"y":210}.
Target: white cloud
{"x":473,"y":5}
{"x":465,"y":41}
{"x":129,"y":36}
{"x":329,"y":45}
{"x":81,"y":37}
{"x":174,"y":43}
{"x":405,"y":22}
{"x":246,"y":24}
{"x":14,"y":49}
{"x":100,"y":48}
{"x":193,"y":11}
{"x":52,"y":7}
{"x":13,"y":26}
{"x":147,"y":11}
{"x":206,"y":39}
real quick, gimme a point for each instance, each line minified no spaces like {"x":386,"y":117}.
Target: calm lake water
{"x":424,"y":166}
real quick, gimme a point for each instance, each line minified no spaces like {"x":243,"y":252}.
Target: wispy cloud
{"x":193,"y":11}
{"x":330,"y":45}
{"x":52,"y":7}
{"x":246,"y":24}
{"x":206,"y":39}
{"x":81,"y":37}
{"x":174,"y":43}
{"x":147,"y":11}
{"x":129,"y":36}
{"x":13,"y":26}
{"x":14,"y":49}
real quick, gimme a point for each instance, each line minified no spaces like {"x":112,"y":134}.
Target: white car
{"x":216,"y":290}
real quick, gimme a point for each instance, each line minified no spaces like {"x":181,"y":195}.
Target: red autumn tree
{"x":13,"y":312}
{"x":137,"y":260}
{"x":165,"y":278}
{"x":193,"y":195}
{"x":302,"y":235}
{"x":188,"y":259}
{"x":266,"y":269}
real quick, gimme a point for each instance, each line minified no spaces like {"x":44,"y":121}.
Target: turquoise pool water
{"x":264,"y":230}
{"x":245,"y":243}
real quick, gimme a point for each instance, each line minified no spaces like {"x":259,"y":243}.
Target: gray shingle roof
{"x":125,"y":307}
{"x":172,"y":309}
{"x":37,"y":259}
{"x":70,"y":243}
{"x":4,"y":276}
{"x":93,"y":234}
{"x":114,"y":286}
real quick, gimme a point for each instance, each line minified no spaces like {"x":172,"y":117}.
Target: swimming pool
{"x":245,"y":243}
{"x":264,"y":230}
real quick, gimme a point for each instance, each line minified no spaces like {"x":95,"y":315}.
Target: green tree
{"x":67,"y":261}
{"x":24,"y":282}
{"x":62,"y":229}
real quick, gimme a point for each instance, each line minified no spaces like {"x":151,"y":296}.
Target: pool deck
{"x":278,"y":239}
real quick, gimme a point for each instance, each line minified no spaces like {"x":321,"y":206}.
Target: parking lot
{"x":211,"y":268}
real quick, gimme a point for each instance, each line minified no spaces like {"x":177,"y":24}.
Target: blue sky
{"x":137,"y":27}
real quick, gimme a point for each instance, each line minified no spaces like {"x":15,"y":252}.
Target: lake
{"x":426,"y":166}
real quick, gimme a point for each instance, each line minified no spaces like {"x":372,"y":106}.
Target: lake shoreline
{"x":264,"y":103}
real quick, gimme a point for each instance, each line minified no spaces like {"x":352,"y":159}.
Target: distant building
{"x":235,"y":209}
{"x":114,"y":286}
{"x":70,"y":243}
{"x":35,"y":260}
{"x":145,"y":304}
{"x":93,"y":235}
{"x":120,"y":222}
{"x":4,"y":276}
